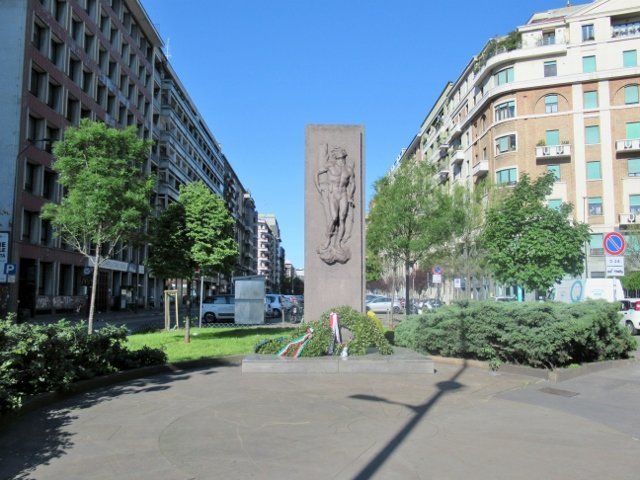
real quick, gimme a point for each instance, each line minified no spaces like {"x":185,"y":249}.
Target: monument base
{"x":402,"y":361}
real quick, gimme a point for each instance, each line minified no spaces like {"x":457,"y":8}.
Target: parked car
{"x":278,"y":303}
{"x":630,"y":310}
{"x":219,"y":309}
{"x":384,"y":305}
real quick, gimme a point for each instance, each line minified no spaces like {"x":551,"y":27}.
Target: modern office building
{"x":558,"y":94}
{"x":64,"y":60}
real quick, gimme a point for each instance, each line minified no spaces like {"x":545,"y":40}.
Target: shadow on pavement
{"x":41,"y":435}
{"x":420,"y":411}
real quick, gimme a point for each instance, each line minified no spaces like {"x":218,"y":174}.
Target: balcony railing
{"x":628,"y":145}
{"x":481,"y":168}
{"x":625,"y":29}
{"x":457,"y":157}
{"x":553,"y":151}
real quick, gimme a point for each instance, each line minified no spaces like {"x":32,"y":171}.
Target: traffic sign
{"x":614,"y":243}
{"x":9,"y":268}
{"x":437,"y":270}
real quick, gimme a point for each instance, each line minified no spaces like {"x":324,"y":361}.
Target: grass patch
{"x":205,"y":342}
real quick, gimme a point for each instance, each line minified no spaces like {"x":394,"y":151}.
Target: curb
{"x":555,"y":376}
{"x":38,"y":401}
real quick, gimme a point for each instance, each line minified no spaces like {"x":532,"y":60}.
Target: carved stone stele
{"x":334,"y":220}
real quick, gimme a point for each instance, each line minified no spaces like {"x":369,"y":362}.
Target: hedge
{"x":46,"y":358}
{"x":547,"y":335}
{"x":366,"y":330}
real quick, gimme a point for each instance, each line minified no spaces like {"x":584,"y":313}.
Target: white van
{"x":579,"y":290}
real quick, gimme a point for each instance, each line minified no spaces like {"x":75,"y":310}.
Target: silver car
{"x":384,"y":305}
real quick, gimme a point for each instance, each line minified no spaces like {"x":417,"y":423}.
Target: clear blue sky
{"x":260,"y":70}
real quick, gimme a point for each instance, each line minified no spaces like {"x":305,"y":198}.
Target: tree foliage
{"x":209,"y":225}
{"x":530,"y":244}
{"x":170,"y":254}
{"x":410,"y":216}
{"x":106,"y":193}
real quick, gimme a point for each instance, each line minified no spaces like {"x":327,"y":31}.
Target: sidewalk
{"x":460,"y":422}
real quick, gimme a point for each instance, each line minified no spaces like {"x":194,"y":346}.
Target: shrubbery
{"x":365,"y":330}
{"x":537,"y":334}
{"x":45,"y":358}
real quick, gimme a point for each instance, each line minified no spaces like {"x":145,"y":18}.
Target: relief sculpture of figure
{"x":335,"y":182}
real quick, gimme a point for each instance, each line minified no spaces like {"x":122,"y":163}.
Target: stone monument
{"x":334,"y":221}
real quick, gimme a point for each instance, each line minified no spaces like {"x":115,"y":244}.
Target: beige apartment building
{"x":558,"y":94}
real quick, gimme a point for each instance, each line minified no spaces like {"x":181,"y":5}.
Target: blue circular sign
{"x":576,"y":291}
{"x":614,"y":243}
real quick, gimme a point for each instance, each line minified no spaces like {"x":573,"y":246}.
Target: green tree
{"x":170,"y":253}
{"x":106,"y":193}
{"x":410,"y":217}
{"x":194,"y":233}
{"x":467,"y":257}
{"x":529,"y":244}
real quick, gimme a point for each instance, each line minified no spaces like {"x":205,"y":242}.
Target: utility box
{"x":249,"y":299}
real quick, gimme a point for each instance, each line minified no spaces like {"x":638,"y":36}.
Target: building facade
{"x":558,"y":94}
{"x":99,"y":59}
{"x":270,"y":253}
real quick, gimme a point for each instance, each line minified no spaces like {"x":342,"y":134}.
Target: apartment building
{"x":270,"y":253}
{"x":100,"y":59}
{"x":558,"y":94}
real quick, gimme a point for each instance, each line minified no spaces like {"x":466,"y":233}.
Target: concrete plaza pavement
{"x":217,"y":423}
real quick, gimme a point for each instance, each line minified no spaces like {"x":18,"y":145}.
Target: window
{"x":634,"y":204}
{"x":592,"y":134}
{"x":595,"y":205}
{"x":588,"y":32}
{"x":505,"y":110}
{"x":594,"y":170}
{"x":633,"y":167}
{"x":552,"y":137}
{"x":589,"y":64}
{"x":630,"y":94}
{"x":596,"y":244}
{"x":49,"y":185}
{"x":590,"y":99}
{"x":555,"y":169}
{"x":630,"y":58}
{"x":45,"y":232}
{"x":551,"y":104}
{"x":505,"y":144}
{"x":550,"y":68}
{"x":554,"y":203}
{"x":504,"y":76}
{"x":56,"y":54}
{"x":28,"y":224}
{"x":37,"y":83}
{"x":549,"y":38}
{"x":508,"y":176}
{"x":54,"y":96}
{"x":30,"y":177}
{"x":632,"y":130}
{"x":39,"y":36}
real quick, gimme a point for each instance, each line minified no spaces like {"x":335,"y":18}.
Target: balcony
{"x":457,"y":157}
{"x":553,"y":151}
{"x":628,"y":145}
{"x":630,"y":29}
{"x":481,"y":168}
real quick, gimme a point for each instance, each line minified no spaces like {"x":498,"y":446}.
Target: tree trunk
{"x":407,"y":275}
{"x":94,"y":288}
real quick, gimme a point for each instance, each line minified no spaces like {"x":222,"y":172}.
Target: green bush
{"x":546,"y":335}
{"x":45,"y":358}
{"x":365,"y":334}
